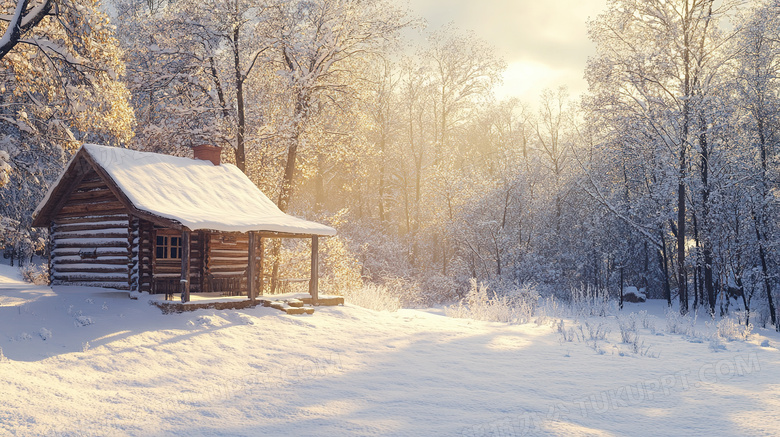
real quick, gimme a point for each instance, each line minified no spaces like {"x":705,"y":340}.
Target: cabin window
{"x":168,"y":247}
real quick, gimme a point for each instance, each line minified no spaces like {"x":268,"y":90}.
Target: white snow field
{"x":81,"y":361}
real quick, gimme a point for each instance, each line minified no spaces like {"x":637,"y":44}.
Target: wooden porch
{"x":250,"y":283}
{"x":289,"y":303}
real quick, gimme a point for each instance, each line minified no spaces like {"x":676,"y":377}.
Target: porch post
{"x":260,"y":267}
{"x":50,"y":248}
{"x":250,"y":269}
{"x":314,"y":281}
{"x":185,"y":265}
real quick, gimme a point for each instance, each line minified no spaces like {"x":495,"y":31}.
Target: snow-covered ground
{"x":80,"y":361}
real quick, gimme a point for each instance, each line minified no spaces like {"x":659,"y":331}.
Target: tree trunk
{"x":682,"y":273}
{"x":709,"y":287}
{"x":218,"y":85}
{"x":765,"y":273}
{"x":299,"y":121}
{"x":697,"y":267}
{"x":664,"y":260}
{"x":761,"y":221}
{"x":240,"y":153}
{"x":382,"y":145}
{"x":319,"y":185}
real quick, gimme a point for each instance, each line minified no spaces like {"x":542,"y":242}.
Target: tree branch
{"x":22,"y":22}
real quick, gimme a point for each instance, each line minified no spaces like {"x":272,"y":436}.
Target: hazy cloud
{"x":545,"y":43}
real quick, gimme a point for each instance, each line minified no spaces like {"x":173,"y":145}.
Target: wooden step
{"x":297,"y":303}
{"x":325,"y":301}
{"x":292,"y":306}
{"x":299,"y":310}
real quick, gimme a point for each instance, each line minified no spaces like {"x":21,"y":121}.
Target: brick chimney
{"x":208,"y":152}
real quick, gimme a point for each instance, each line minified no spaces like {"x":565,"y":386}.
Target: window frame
{"x":170,"y":248}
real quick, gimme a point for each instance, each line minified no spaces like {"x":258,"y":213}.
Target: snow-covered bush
{"x":595,"y":331}
{"x":632,"y":294}
{"x":480,"y":303}
{"x":646,"y":321}
{"x":35,"y":273}
{"x":374,"y":297}
{"x":438,"y":289}
{"x":680,"y":324}
{"x":588,"y":301}
{"x":409,"y":292}
{"x":628,"y":327}
{"x":729,"y":329}
{"x":567,"y":335}
{"x":340,"y":268}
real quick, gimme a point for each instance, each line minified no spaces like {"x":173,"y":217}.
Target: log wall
{"x":90,"y":236}
{"x":226,"y":262}
{"x":141,"y":248}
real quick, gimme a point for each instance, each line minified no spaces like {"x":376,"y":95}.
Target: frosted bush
{"x":743,"y":317}
{"x":45,"y":334}
{"x":588,"y":301}
{"x":627,"y":326}
{"x":595,"y":331}
{"x":730,"y":330}
{"x":525,"y":301}
{"x":409,"y":292}
{"x":567,"y":335}
{"x":549,"y":311}
{"x":677,"y":323}
{"x":553,"y":307}
{"x":438,"y":289}
{"x":374,"y":297}
{"x":340,"y":267}
{"x":480,"y":303}
{"x":647,"y":322}
{"x":36,"y":273}
{"x":637,"y":347}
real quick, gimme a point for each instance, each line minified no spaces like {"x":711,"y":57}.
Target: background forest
{"x":663,"y":176}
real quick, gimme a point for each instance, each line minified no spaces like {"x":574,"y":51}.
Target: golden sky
{"x":544,"y":42}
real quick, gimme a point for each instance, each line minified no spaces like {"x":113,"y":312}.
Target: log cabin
{"x":147,"y":222}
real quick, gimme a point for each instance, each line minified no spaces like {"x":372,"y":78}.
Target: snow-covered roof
{"x":196,"y":193}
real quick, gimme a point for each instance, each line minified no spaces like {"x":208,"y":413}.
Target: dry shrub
{"x":374,"y":297}
{"x":519,"y":306}
{"x":340,"y":268}
{"x":36,"y":273}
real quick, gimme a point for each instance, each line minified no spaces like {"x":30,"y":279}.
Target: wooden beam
{"x":250,"y":269}
{"x":267,"y":234}
{"x":315,"y":273}
{"x":185,"y":265}
{"x":260,"y":266}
